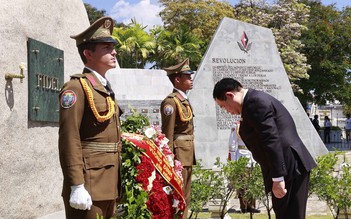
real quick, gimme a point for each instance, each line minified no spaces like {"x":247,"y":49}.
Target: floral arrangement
{"x":147,"y":192}
{"x":154,"y":133}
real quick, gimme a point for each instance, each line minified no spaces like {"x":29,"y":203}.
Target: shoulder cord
{"x":110,"y":103}
{"x":182,"y":116}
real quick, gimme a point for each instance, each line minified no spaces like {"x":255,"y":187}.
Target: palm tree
{"x":135,"y":45}
{"x":174,"y":46}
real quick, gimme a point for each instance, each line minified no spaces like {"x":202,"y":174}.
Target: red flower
{"x":157,"y":196}
{"x":158,"y":139}
{"x":162,"y":205}
{"x":145,"y":169}
{"x":157,"y":199}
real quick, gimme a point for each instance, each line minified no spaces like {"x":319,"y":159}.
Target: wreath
{"x":151,"y":177}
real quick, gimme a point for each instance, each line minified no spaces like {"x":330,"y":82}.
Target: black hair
{"x":225,"y":85}
{"x":172,"y":78}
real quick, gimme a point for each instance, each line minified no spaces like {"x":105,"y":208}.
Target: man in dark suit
{"x":269,"y":132}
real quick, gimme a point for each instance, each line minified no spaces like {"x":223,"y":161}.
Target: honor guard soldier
{"x":177,"y":122}
{"x":89,"y":133}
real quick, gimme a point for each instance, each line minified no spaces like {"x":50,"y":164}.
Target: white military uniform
{"x":237,"y":147}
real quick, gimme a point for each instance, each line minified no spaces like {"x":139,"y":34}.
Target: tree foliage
{"x":135,"y":45}
{"x":160,"y":47}
{"x":220,"y":185}
{"x":327,"y":47}
{"x":200,"y":16}
{"x":94,"y":13}
{"x":133,"y":196}
{"x":286,"y":19}
{"x":202,"y":189}
{"x":174,"y":46}
{"x":331,"y":182}
{"x":288,"y":22}
{"x":257,"y":12}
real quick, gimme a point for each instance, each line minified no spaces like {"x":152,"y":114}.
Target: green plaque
{"x":45,"y":79}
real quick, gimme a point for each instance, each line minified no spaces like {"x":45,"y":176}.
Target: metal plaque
{"x":45,"y":79}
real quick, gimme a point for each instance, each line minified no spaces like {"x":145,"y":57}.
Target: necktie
{"x":109,"y":89}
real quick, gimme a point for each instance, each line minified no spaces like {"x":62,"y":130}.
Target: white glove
{"x":80,"y":198}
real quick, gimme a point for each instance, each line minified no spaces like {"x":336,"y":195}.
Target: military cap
{"x":99,"y":32}
{"x":182,"y":68}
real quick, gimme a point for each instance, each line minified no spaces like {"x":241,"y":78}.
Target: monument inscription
{"x":249,"y":75}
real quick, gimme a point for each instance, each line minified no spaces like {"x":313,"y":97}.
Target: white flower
{"x":164,"y":141}
{"x":151,"y":180}
{"x":170,"y":160}
{"x":175,"y":203}
{"x":150,"y":132}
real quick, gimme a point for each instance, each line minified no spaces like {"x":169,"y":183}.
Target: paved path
{"x":56,"y":215}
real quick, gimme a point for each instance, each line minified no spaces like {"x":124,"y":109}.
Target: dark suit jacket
{"x":269,"y":132}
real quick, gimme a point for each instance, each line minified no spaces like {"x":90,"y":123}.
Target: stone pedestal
{"x":215,"y":208}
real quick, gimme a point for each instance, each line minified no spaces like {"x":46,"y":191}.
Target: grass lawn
{"x":260,"y":216}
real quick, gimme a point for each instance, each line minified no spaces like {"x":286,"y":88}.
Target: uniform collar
{"x":181,"y":93}
{"x":98,"y":76}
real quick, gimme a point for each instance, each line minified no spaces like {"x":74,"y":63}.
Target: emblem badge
{"x":68,"y":99}
{"x":244,"y":45}
{"x":168,"y":110}
{"x":107,"y":24}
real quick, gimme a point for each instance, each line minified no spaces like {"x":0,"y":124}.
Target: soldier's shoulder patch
{"x":68,"y":99}
{"x":168,"y":109}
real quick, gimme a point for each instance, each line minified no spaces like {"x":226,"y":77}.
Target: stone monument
{"x":31,"y":177}
{"x":141,"y":90}
{"x":249,"y":54}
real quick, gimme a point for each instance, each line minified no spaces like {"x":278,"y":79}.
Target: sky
{"x":146,"y":11}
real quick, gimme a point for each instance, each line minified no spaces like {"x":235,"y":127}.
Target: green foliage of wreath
{"x":134,"y":123}
{"x":134,"y":198}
